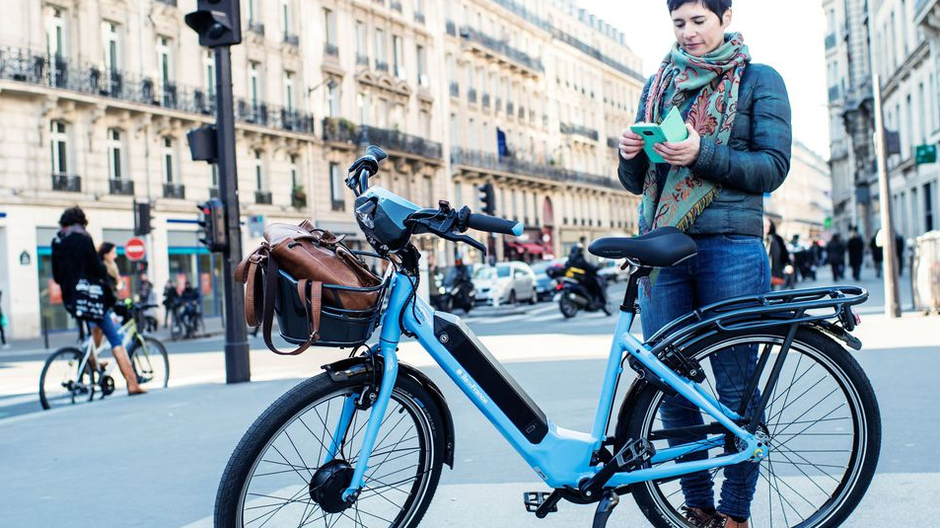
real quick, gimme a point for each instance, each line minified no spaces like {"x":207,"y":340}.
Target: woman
{"x":74,"y":258}
{"x":711,"y":186}
{"x":107,"y":252}
{"x":777,"y":253}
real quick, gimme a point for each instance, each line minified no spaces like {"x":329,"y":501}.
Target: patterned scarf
{"x":713,"y":81}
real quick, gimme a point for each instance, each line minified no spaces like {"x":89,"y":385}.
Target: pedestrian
{"x":170,"y":296}
{"x":76,"y":263}
{"x":899,"y":249}
{"x":107,"y":252}
{"x":738,"y":119}
{"x":3,"y":322}
{"x":835,"y":255}
{"x":856,"y":249}
{"x":777,"y":254}
{"x":146,"y":296}
{"x":877,"y":252}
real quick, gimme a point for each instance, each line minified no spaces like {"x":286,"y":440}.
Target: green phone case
{"x":671,"y":129}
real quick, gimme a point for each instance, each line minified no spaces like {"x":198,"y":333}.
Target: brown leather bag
{"x":313,"y":257}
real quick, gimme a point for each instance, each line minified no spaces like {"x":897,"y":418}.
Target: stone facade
{"x":96,"y":99}
{"x":803,"y":203}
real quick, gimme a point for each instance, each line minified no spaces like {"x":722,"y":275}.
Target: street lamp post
{"x":892,"y":294}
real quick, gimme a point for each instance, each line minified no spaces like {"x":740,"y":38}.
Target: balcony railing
{"x":454,"y":89}
{"x":256,"y":27}
{"x":830,"y":41}
{"x":485,"y":160}
{"x":362,"y":60}
{"x":291,"y":39}
{"x":87,"y":78}
{"x":579,"y":130}
{"x":595,"y":53}
{"x":263,"y":197}
{"x":472,"y":95}
{"x":66,"y":182}
{"x":501,"y":47}
{"x":485,"y":100}
{"x":331,"y":50}
{"x":121,"y":186}
{"x":343,"y":130}
{"x":174,"y":190}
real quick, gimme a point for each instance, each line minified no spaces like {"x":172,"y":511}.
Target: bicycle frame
{"x":562,"y":457}
{"x":127,"y":331}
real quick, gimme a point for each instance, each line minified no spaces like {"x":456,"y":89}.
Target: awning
{"x":533,"y":249}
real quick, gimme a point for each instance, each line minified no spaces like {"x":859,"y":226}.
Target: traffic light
{"x":212,"y":225}
{"x":141,"y":219}
{"x":488,"y":198}
{"x":218,"y":22}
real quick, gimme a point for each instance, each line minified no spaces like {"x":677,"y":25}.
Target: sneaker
{"x":723,"y":521}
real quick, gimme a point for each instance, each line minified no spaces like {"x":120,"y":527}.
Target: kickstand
{"x":605,"y":507}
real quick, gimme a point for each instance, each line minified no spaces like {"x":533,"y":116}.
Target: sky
{"x":788,"y":35}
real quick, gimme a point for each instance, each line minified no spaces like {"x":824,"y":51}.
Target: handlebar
{"x":364,"y":167}
{"x":494,"y":224}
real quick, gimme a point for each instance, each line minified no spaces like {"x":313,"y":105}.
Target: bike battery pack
{"x":490,"y":376}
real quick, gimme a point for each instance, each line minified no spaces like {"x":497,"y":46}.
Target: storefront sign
{"x":25,"y":259}
{"x":925,"y":154}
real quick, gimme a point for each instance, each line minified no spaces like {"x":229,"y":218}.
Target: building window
{"x":115,"y":154}
{"x":254,"y":86}
{"x":337,"y":185}
{"x":928,"y":207}
{"x":329,"y":19}
{"x":289,"y":91}
{"x":422,"y":67}
{"x":168,"y":160}
{"x":55,"y":35}
{"x":259,"y":171}
{"x":424,"y":118}
{"x":362,"y":101}
{"x":112,"y":58}
{"x":215,"y":176}
{"x":362,"y":45}
{"x":380,"y":58}
{"x":252,"y":11}
{"x":293,"y":171}
{"x":286,"y":18}
{"x":333,"y":96}
{"x":163,"y":61}
{"x":208,"y":70}
{"x":59,"y":145}
{"x":398,"y":57}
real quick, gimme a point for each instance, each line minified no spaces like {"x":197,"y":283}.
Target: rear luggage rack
{"x":780,"y":308}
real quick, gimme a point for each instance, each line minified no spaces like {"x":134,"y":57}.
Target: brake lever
{"x":470,"y":241}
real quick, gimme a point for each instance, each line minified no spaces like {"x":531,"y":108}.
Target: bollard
{"x":45,"y":331}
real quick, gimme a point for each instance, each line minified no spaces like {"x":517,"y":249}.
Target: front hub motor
{"x":329,"y":483}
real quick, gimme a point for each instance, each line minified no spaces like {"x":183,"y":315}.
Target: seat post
{"x":637,"y":272}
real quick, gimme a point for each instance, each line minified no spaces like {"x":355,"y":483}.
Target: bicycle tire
{"x":233,"y":494}
{"x":146,"y":360}
{"x":866,"y":442}
{"x":76,"y":355}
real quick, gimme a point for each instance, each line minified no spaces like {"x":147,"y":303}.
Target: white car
{"x":506,"y":282}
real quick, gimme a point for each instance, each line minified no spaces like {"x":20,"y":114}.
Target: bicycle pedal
{"x":634,"y":454}
{"x":541,"y":503}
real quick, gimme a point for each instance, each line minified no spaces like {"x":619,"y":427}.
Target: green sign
{"x":827,"y":223}
{"x":925,"y":154}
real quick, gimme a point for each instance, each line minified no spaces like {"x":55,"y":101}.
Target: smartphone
{"x":671,"y":129}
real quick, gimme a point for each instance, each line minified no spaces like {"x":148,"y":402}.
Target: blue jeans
{"x":726,"y":266}
{"x":110,"y":330}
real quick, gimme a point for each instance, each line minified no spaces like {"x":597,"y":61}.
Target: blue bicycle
{"x":363,"y":444}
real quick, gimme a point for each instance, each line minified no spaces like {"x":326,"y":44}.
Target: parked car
{"x":610,"y":270}
{"x":506,"y":282}
{"x":545,"y":285}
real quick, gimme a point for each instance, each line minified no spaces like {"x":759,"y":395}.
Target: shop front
{"x":190,"y":263}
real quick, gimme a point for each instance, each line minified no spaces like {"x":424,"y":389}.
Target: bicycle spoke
{"x":302,"y":461}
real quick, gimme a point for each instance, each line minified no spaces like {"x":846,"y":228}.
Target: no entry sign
{"x":134,"y":249}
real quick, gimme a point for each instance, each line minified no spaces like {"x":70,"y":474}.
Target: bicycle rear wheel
{"x":61,"y":383}
{"x":150,"y":361}
{"x":280,"y":475}
{"x":822,"y":425}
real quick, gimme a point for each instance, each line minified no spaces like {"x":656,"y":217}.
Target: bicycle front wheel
{"x":281,"y":473}
{"x":150,"y":361}
{"x":61,"y":383}
{"x":822,"y":426}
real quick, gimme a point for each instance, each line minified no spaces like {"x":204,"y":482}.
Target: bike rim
{"x":150,"y":365}
{"x":400,"y":464}
{"x":63,"y":370}
{"x":796,"y":487}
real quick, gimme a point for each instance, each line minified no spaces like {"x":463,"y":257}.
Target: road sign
{"x":135,"y":249}
{"x":925,"y":154}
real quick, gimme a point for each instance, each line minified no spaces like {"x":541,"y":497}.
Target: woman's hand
{"x":682,"y":153}
{"x":630,"y":145}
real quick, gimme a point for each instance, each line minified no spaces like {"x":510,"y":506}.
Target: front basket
{"x":338,"y":327}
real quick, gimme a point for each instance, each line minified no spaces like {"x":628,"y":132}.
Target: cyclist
{"x":711,"y":186}
{"x":74,"y":258}
{"x":190,"y":302}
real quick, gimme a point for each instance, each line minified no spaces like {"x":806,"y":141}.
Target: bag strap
{"x":313,"y":311}
{"x":248,"y":272}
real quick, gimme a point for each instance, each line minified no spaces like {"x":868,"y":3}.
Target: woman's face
{"x":698,"y":30}
{"x":111,"y":255}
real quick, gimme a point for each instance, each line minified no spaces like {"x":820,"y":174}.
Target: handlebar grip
{"x":376,"y":153}
{"x":494,"y":224}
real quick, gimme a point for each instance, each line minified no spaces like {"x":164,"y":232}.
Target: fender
{"x":363,"y":366}
{"x":629,"y":403}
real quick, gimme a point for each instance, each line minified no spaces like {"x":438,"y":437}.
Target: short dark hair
{"x":73,"y":216}
{"x":105,"y":248}
{"x":715,"y":6}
